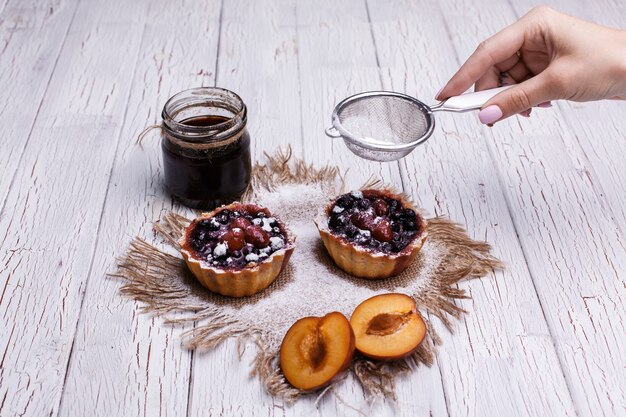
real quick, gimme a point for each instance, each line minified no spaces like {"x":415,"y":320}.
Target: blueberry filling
{"x":233,"y":239}
{"x":373,"y":221}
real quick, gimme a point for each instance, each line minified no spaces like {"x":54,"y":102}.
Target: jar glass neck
{"x":204,"y":114}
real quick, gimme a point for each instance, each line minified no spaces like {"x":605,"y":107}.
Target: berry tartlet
{"x":237,"y":250}
{"x":372,"y":233}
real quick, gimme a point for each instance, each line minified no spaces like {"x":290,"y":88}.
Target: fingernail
{"x":439,"y":92}
{"x":490,"y":114}
{"x":525,"y":113}
{"x":545,"y":104}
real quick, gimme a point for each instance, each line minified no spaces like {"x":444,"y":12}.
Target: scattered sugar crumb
{"x":252,"y":257}
{"x":276,"y":243}
{"x":220,"y":249}
{"x":308,"y":287}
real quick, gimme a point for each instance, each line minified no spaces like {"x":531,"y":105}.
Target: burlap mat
{"x":310,"y":286}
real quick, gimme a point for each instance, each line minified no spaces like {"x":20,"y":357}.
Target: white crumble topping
{"x":263,"y":255}
{"x":214,"y":262}
{"x":220,"y":249}
{"x":366,"y":233}
{"x":276,"y":243}
{"x":236,"y":229}
{"x":267,"y":224}
{"x":257,"y":221}
{"x":229,"y":260}
{"x":252,"y":257}
{"x":337,"y":209}
{"x":209,"y":258}
{"x":266,"y":249}
{"x":357,"y":194}
{"x":214,"y":222}
{"x":276,"y":229}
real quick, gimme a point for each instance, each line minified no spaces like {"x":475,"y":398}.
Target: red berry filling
{"x":374,"y":221}
{"x":235,"y":238}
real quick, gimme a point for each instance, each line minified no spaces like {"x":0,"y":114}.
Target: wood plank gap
{"x":190,"y":387}
{"x":219,"y":39}
{"x":443,"y":385}
{"x":41,"y":100}
{"x":382,"y":83}
{"x":299,"y":75}
{"x":369,"y":21}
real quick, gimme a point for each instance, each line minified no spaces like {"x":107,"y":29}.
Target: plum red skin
{"x":235,"y":238}
{"x":240,"y":223}
{"x":362,"y":219}
{"x":256,"y":236}
{"x":380,"y":207}
{"x":382,"y":231}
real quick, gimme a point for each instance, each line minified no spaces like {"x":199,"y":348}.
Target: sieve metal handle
{"x":332,"y":132}
{"x":468,"y":101}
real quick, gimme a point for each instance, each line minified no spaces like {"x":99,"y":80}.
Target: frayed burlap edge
{"x":162,"y":283}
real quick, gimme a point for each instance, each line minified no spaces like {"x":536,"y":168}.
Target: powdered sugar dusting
{"x":314,"y":285}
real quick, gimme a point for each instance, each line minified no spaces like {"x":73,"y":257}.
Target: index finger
{"x":489,"y":53}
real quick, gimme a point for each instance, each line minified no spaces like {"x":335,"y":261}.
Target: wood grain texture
{"x":504,"y":338}
{"x":574,"y":249}
{"x":79,"y":81}
{"x":52,"y":211}
{"x":136,"y":366}
{"x":31,"y":36}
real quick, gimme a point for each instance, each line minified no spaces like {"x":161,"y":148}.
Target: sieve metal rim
{"x":426,"y":110}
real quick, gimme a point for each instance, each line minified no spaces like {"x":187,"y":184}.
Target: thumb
{"x":518,"y":98}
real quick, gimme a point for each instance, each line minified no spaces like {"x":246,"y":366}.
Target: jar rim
{"x":215,"y":97}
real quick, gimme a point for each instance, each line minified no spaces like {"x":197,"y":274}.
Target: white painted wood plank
{"x":574,"y":248}
{"x":258,"y":60}
{"x":147,"y":370}
{"x":126,"y":211}
{"x":31,"y":36}
{"x":53,"y":209}
{"x":338,"y":58}
{"x":485,"y":364}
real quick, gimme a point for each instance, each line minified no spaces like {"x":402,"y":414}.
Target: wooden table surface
{"x":79,"y":79}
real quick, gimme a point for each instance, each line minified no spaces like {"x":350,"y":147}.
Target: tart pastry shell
{"x":253,"y":278}
{"x":363,"y":263}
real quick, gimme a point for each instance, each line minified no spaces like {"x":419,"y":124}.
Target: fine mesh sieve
{"x":385,"y":126}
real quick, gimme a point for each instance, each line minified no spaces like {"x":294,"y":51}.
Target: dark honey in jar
{"x":206,"y":147}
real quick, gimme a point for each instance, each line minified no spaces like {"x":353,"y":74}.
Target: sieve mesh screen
{"x":383,"y":119}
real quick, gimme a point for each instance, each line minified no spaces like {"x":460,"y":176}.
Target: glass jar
{"x":206,"y":147}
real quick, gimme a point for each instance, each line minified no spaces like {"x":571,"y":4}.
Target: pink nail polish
{"x":490,"y":114}
{"x":545,"y":104}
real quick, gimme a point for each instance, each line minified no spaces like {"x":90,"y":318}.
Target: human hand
{"x":550,"y":56}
